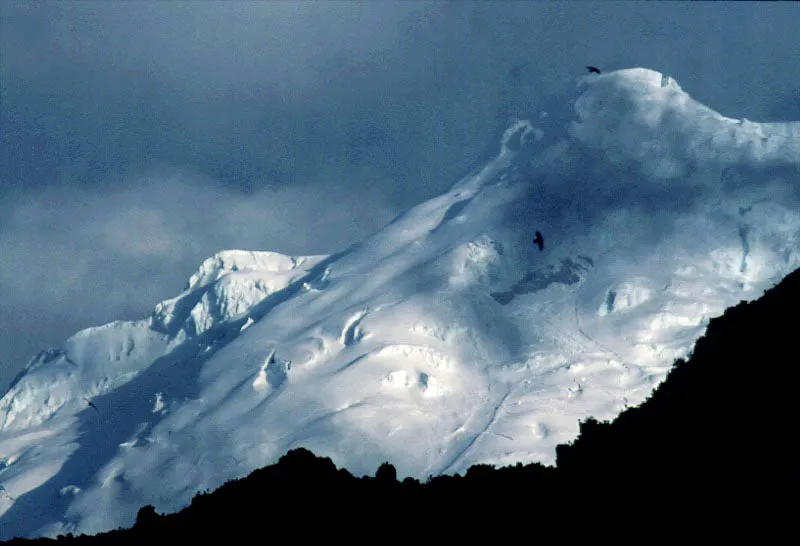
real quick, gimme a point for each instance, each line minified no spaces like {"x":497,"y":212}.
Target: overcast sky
{"x":139,"y":138}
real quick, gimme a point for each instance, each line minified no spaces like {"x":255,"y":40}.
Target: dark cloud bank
{"x":139,"y":138}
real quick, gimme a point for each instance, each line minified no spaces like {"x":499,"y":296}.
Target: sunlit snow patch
{"x":272,"y":373}
{"x":400,"y":378}
{"x":351,"y":331}
{"x":70,"y":490}
{"x":624,"y":296}
{"x":431,"y":386}
{"x":419,"y":354}
{"x":159,"y":405}
{"x":477,"y":262}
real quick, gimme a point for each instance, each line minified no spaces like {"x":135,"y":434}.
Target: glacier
{"x":446,"y":339}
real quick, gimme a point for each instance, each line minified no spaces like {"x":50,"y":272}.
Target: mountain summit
{"x":445,"y":340}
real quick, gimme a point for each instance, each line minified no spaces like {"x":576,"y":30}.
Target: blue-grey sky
{"x":138,"y":138}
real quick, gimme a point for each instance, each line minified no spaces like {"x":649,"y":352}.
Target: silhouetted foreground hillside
{"x":710,"y":455}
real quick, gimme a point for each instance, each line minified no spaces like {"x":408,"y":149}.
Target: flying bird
{"x":593,"y":69}
{"x":92,"y":405}
{"x":539,"y":241}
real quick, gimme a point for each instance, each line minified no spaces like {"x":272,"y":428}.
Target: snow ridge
{"x":444,"y":340}
{"x":226,"y":287}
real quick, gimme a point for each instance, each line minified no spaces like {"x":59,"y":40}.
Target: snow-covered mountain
{"x":445,"y":340}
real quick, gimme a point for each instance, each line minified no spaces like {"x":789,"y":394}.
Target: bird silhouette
{"x":92,"y":405}
{"x":539,"y":241}
{"x":593,"y":69}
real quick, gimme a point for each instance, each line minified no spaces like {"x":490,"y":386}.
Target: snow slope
{"x":445,"y":340}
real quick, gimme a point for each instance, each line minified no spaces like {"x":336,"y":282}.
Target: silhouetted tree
{"x":386,"y":474}
{"x":146,"y":516}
